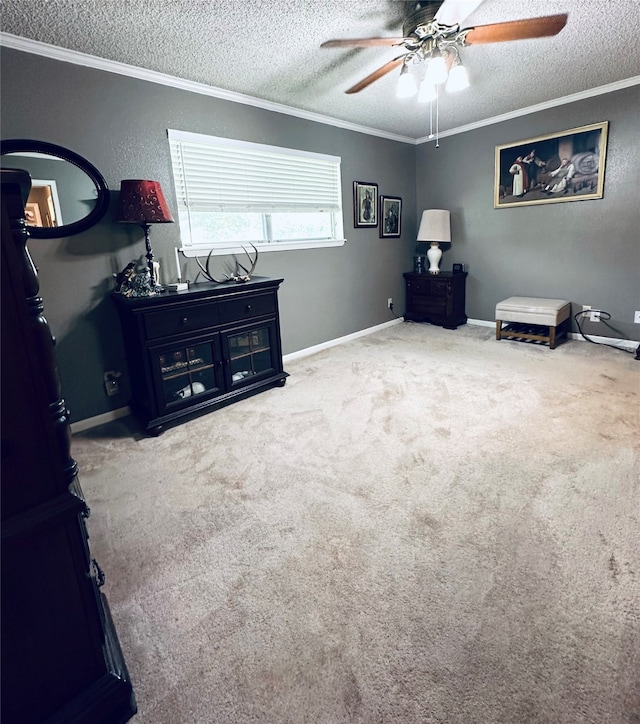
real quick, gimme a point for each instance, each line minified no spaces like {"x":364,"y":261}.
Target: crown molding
{"x":580,"y":96}
{"x":113,"y":66}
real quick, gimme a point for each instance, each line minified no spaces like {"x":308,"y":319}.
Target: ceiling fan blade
{"x":516,"y":30}
{"x":360,"y":42}
{"x":453,"y":12}
{"x":386,"y":68}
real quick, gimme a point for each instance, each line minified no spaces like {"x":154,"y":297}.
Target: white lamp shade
{"x":436,"y":72}
{"x":407,"y":86}
{"x":458,"y":79}
{"x":435,"y":225}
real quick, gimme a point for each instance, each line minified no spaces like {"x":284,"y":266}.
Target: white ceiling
{"x":270,"y":49}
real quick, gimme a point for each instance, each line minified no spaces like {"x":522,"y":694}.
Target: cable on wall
{"x":604,"y":317}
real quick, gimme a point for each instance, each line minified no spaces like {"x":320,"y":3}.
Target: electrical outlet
{"x":594,"y":315}
{"x":111,"y":382}
{"x":585,"y":307}
{"x":390,"y":303}
{"x":636,"y":317}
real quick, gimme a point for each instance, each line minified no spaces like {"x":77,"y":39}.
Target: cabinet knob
{"x":248,"y":308}
{"x":184,"y":320}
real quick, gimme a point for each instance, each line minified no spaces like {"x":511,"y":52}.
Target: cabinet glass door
{"x":187,"y":371}
{"x":250,"y":353}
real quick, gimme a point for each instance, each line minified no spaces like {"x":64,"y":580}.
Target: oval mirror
{"x":68,"y":194}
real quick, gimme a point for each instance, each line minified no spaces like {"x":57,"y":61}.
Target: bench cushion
{"x":533,"y":310}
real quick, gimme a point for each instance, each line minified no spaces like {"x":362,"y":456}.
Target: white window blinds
{"x":215,"y":174}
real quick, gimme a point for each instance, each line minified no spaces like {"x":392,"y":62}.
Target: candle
{"x":178,"y":265}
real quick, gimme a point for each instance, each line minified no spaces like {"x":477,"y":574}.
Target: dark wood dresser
{"x":61,"y":660}
{"x":436,"y":298}
{"x":199,"y":349}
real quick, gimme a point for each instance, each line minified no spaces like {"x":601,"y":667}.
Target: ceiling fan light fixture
{"x":436,"y":69}
{"x":407,"y":86}
{"x":458,"y":78}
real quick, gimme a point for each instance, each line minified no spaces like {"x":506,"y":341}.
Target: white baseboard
{"x":339,"y":340}
{"x":613,"y":341}
{"x":481,"y":323}
{"x":90,"y":422}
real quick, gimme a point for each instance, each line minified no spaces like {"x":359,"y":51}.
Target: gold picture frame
{"x":558,"y":167}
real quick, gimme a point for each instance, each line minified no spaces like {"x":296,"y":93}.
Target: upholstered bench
{"x":532,"y":318}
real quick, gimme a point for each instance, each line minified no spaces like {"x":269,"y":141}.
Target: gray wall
{"x":585,"y":251}
{"x":119,"y":124}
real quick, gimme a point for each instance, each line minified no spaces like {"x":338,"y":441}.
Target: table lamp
{"x":142,"y":202}
{"x":435,"y":227}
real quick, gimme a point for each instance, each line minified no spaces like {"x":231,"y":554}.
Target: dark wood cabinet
{"x":436,"y":298}
{"x":196,"y":350}
{"x":61,"y":661}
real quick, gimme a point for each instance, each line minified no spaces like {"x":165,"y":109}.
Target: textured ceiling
{"x":270,"y":49}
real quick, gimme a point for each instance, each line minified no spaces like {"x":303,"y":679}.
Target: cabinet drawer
{"x":424,"y":305}
{"x":439,"y":287}
{"x":429,"y":286}
{"x":185,"y":319}
{"x":234,"y":310}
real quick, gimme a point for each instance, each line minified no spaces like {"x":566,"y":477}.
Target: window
{"x":234,"y":192}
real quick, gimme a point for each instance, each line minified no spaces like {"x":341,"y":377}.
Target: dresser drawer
{"x":237,"y":310}
{"x":439,"y":287}
{"x":428,"y":306}
{"x":188,"y":318}
{"x":431,"y":286}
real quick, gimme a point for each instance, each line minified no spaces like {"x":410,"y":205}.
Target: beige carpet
{"x":422,"y":526}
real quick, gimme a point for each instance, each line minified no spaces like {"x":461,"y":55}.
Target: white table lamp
{"x":435,"y":226}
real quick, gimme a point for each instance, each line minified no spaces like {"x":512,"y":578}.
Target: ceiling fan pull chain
{"x":437,"y":117}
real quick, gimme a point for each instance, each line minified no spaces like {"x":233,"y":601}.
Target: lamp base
{"x":434,"y":254}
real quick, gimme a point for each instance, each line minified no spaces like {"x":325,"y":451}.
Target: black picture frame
{"x":390,"y":216}
{"x":457,"y":268}
{"x":365,"y":204}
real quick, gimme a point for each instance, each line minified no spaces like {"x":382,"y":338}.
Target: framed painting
{"x":390,"y":216}
{"x":565,"y":166}
{"x":365,"y":204}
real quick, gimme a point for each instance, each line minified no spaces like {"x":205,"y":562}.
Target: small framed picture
{"x":365,"y":204}
{"x":458,"y":268}
{"x":390,"y":216}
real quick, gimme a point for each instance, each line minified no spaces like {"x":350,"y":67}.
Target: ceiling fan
{"x":432,"y":35}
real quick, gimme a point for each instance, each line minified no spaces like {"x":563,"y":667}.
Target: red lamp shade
{"x":142,"y":202}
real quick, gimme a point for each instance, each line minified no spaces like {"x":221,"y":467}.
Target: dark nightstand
{"x":436,"y":298}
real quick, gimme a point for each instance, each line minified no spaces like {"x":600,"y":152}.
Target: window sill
{"x":264,"y":248}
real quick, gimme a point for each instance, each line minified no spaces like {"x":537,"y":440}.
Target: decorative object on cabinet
{"x":193,"y":351}
{"x":234,"y":273}
{"x":457,"y":268}
{"x":435,"y":227}
{"x":436,"y":299}
{"x":390,"y":216}
{"x":418,"y":264}
{"x":179,"y":286}
{"x":566,"y":166}
{"x":365,"y":204}
{"x":61,"y":660}
{"x":70,"y":188}
{"x":142,"y":202}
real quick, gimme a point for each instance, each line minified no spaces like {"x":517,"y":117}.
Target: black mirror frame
{"x":18,"y":145}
